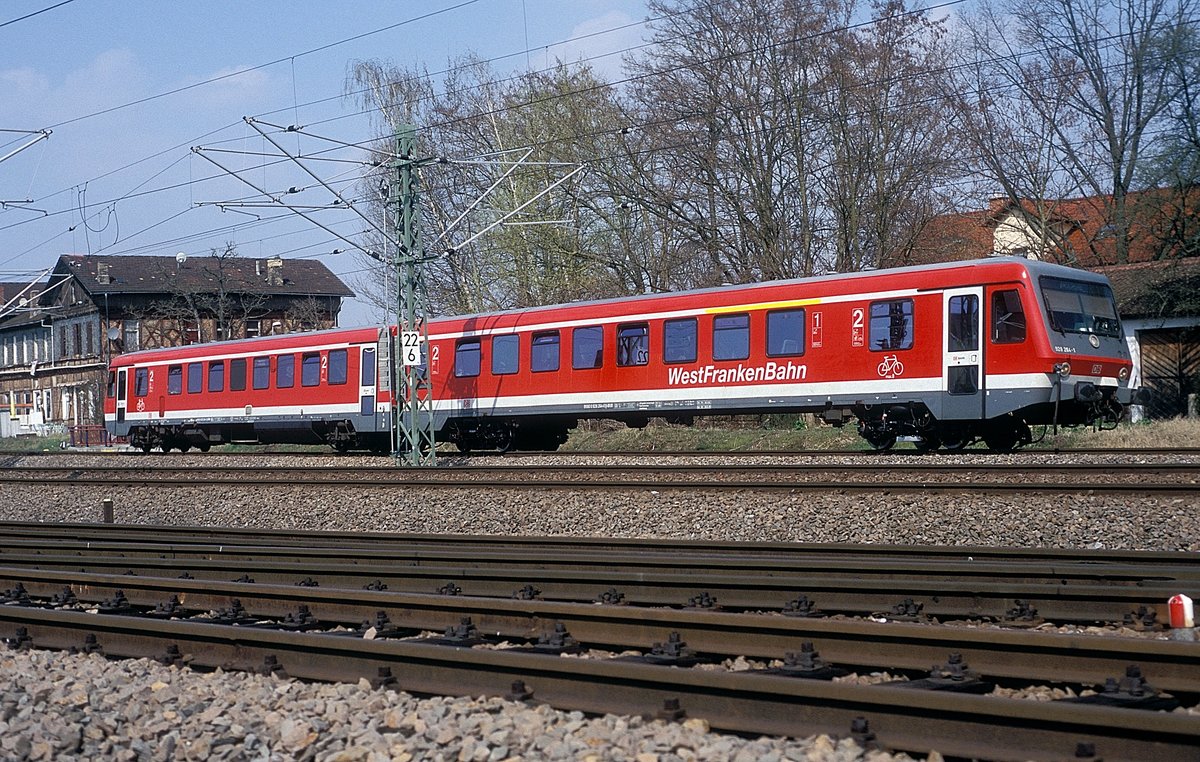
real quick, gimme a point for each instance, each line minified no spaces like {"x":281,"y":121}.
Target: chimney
{"x":275,"y":271}
{"x":103,"y":277}
{"x":258,"y":267}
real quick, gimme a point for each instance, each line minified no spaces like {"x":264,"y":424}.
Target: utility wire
{"x":36,"y":13}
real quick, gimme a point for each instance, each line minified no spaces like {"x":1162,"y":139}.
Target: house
{"x":57,"y":336}
{"x":1157,"y":287}
{"x":1078,"y":232}
{"x":1159,"y":303}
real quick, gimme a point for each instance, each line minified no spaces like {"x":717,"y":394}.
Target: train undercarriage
{"x":883,"y":426}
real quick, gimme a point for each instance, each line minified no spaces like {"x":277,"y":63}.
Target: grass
{"x":774,"y":433}
{"x":764,"y":433}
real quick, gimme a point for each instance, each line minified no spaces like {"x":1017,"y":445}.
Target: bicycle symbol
{"x":891,"y":367}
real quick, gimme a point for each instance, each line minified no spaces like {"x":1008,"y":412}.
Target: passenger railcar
{"x":941,"y":354}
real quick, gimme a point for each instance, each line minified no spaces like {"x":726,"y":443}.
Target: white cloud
{"x":231,"y":88}
{"x":592,"y":41}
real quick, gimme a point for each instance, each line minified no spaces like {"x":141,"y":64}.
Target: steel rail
{"x":765,"y":469}
{"x":1080,"y":601}
{"x":560,"y":555}
{"x":833,"y":487}
{"x":323,"y":451}
{"x":919,"y":721}
{"x":468,"y":544}
{"x":1016,"y":655}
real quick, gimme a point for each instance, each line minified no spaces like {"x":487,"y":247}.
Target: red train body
{"x":942,"y":354}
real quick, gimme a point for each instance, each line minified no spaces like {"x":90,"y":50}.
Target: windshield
{"x":1080,"y":307}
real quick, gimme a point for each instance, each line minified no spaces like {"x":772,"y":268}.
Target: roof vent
{"x":103,"y":277}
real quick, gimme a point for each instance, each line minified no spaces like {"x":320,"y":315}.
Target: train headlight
{"x":1063,"y":369}
{"x":1123,"y":374}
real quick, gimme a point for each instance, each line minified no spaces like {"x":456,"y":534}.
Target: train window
{"x":338,"y":371}
{"x":587,"y":347}
{"x":237,"y":374}
{"x":1080,"y":307}
{"x":466,"y":358}
{"x":505,"y":354}
{"x":963,"y":323}
{"x":285,"y":371}
{"x":1008,"y":317}
{"x":891,"y":325}
{"x":141,"y":382}
{"x":368,"y":367}
{"x":260,"y":373}
{"x":112,"y":385}
{"x":216,"y":376}
{"x":545,"y":352}
{"x":731,"y":337}
{"x":195,"y":377}
{"x":310,"y":369}
{"x":679,"y":340}
{"x":633,"y":344}
{"x":785,"y":333}
{"x":175,"y":379}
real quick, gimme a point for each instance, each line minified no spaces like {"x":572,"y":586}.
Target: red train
{"x":941,"y":354}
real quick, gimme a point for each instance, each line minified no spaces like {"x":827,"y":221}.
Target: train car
{"x":308,"y":388}
{"x":943,"y":355}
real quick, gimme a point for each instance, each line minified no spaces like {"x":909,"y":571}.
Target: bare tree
{"x":1092,"y":83}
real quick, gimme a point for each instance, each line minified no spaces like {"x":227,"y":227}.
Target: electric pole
{"x":412,"y":392}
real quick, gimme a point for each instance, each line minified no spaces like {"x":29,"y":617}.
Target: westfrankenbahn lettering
{"x":742,"y":374}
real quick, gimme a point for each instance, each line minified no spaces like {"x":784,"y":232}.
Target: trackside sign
{"x":741,"y":374}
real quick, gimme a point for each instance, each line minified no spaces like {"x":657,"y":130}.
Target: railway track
{"x":1160,"y":478}
{"x":483,"y":641}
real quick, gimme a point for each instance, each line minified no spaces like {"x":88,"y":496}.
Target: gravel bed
{"x":54,"y":706}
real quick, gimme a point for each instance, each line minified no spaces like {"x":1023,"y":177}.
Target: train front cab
{"x":1038,"y":345}
{"x":1044,"y":350}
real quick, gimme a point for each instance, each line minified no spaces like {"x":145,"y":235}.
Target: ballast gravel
{"x":57,"y":706}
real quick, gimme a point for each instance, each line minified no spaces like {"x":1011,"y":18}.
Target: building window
{"x":253,"y":328}
{"x":285,"y":371}
{"x":466,"y":358}
{"x":587,"y":347}
{"x":785,"y":333}
{"x":129,"y":335}
{"x":545,"y":352}
{"x":505,"y":355}
{"x":731,"y":337}
{"x":191,"y":332}
{"x":91,"y":338}
{"x":891,"y":325}
{"x":175,"y":379}
{"x":77,"y":331}
{"x":633,"y":344}
{"x":261,"y":372}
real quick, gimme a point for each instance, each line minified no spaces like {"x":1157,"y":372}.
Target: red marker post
{"x":1180,"y":612}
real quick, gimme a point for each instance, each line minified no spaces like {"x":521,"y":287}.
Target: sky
{"x":127,"y":88}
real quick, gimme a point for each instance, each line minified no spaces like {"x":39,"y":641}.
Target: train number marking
{"x":857,"y":334}
{"x":817,"y":334}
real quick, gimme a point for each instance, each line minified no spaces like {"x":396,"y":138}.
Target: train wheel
{"x":955,"y":438}
{"x":1002,"y":434}
{"x":927,"y":443}
{"x":881,"y":443}
{"x":204,"y":447}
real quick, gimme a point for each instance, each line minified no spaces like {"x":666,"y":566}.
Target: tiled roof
{"x":1167,"y":288}
{"x":159,"y":275}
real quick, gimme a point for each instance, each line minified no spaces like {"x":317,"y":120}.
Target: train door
{"x":121,"y":395}
{"x":962,"y":354}
{"x":367,"y":385}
